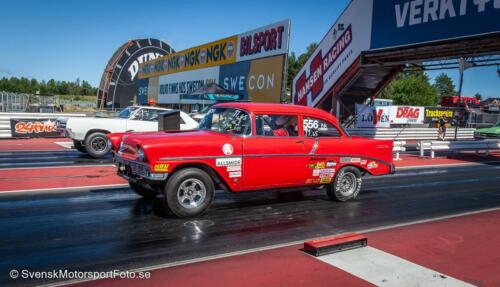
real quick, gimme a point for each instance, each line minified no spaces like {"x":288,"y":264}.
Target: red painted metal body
{"x":255,"y":162}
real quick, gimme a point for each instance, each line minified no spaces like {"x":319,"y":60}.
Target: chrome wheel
{"x":99,"y":144}
{"x":347,"y":184}
{"x":191,"y":193}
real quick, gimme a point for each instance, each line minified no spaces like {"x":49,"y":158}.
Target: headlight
{"x":141,"y":156}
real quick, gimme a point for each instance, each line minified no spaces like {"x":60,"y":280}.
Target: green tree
{"x":411,"y":88}
{"x":478,"y":96}
{"x":295,"y":64}
{"x":444,"y":85}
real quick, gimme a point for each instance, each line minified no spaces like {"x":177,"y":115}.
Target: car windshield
{"x":226,"y":120}
{"x":125,"y":113}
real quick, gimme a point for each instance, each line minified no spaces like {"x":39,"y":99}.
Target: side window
{"x":314,"y":127}
{"x":276,"y":125}
{"x":150,"y":114}
{"x":137,"y":115}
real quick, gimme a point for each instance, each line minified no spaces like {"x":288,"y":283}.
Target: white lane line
{"x":74,"y":188}
{"x":384,"y":269}
{"x":68,"y":145}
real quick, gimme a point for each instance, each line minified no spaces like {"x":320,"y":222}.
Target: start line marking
{"x":384,"y":269}
{"x":68,"y":145}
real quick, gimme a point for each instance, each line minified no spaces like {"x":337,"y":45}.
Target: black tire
{"x":198,"y":180}
{"x":347,"y":184}
{"x":144,"y":191}
{"x":79,"y":146}
{"x":97,"y":145}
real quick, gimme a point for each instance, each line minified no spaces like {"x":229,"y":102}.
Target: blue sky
{"x":69,"y":39}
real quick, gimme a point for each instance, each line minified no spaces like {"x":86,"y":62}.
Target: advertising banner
{"x":406,"y":115}
{"x":433,"y":114}
{"x":172,"y":86}
{"x":340,"y":47}
{"x":34,"y":128}
{"x":406,"y":22}
{"x":385,"y":116}
{"x":250,"y":64}
{"x":258,"y":80}
{"x":266,"y":41}
{"x":373,"y":117}
{"x":208,"y":55}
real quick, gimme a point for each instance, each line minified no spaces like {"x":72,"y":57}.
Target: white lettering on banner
{"x":423,"y":11}
{"x":254,"y":82}
{"x":415,"y":11}
{"x":134,"y":67}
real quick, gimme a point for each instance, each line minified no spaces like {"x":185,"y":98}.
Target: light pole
{"x":463,"y":65}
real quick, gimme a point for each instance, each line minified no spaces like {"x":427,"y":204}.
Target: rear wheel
{"x":97,"y":145}
{"x":189,"y":192}
{"x":79,"y":146}
{"x":145,"y":191}
{"x":347,"y":184}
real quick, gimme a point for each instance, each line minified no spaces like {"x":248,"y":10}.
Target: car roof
{"x":150,"y":107}
{"x":274,"y":107}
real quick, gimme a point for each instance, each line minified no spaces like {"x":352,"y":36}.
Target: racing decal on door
{"x":232,"y":164}
{"x":322,"y":171}
{"x":227,"y":149}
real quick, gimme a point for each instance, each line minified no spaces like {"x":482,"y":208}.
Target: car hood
{"x":178,"y":143}
{"x":90,"y":121}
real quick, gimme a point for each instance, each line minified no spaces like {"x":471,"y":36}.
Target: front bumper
{"x":137,"y":171}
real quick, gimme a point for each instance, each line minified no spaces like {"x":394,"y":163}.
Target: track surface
{"x":115,"y":229}
{"x":49,"y":158}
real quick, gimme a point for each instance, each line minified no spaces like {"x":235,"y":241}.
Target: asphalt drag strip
{"x":49,"y":158}
{"x":107,"y":229}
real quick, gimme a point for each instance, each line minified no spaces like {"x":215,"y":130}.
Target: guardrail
{"x":477,"y":145}
{"x":5,"y":120}
{"x":405,"y":134}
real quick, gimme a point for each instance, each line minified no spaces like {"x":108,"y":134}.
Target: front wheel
{"x":189,"y":192}
{"x":97,"y":145}
{"x":347,"y":184}
{"x":145,"y":191}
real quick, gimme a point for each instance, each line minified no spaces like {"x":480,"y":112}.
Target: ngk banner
{"x":407,"y":115}
{"x":34,"y":128}
{"x":373,"y":117}
{"x":340,"y":47}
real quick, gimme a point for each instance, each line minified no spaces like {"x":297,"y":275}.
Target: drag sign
{"x":34,"y":128}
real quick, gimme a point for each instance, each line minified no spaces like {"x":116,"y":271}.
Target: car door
{"x":325,"y":142}
{"x":143,"y":120}
{"x":274,"y":156}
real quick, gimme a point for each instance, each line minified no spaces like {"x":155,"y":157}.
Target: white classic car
{"x":89,"y":134}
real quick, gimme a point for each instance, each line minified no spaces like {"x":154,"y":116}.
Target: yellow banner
{"x":216,"y":53}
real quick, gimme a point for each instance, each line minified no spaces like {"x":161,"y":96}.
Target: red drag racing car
{"x":241,"y":147}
